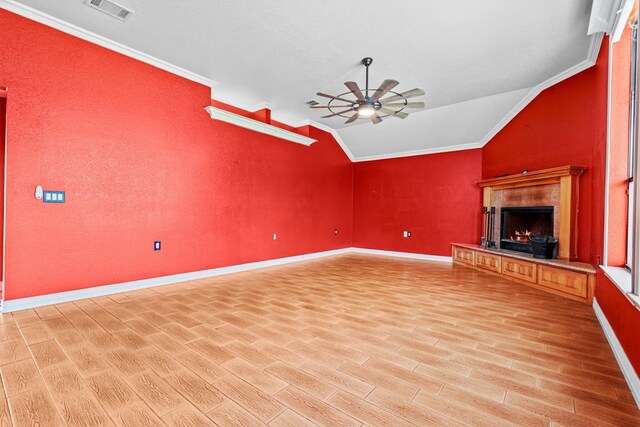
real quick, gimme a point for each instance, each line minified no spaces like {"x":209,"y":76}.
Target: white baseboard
{"x":97,"y":291}
{"x":410,"y":255}
{"x":60,"y":297}
{"x":623,"y":361}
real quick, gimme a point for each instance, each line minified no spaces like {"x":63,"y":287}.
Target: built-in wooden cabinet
{"x":519,"y":269}
{"x":570,"y":279}
{"x":488,"y":261}
{"x":564,"y":281}
{"x":463,"y":255}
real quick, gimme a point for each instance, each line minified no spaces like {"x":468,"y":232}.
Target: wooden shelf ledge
{"x":257,"y":126}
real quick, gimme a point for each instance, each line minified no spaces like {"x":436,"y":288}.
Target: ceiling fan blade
{"x":407,"y":105}
{"x":352,"y":119}
{"x":336,"y":114}
{"x":375,"y":119}
{"x":335,"y":97}
{"x":408,"y":94}
{"x":385,"y":87}
{"x":398,"y":114}
{"x":330,"y":106}
{"x":355,"y":89}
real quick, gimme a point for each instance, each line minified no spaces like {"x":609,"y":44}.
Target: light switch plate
{"x":51,"y":196}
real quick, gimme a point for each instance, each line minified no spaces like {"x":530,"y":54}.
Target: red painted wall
{"x":623,"y":316}
{"x":565,"y":125}
{"x":434,"y":196}
{"x":141,"y":161}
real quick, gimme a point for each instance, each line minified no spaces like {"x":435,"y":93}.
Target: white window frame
{"x":633,"y":124}
{"x":634,"y":196}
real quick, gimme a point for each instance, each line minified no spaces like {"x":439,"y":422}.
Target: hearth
{"x":517,"y":224}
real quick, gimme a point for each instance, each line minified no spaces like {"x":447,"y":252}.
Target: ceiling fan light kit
{"x":370,"y":107}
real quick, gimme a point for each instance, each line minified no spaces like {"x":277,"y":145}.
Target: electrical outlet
{"x":335,"y":231}
{"x":406,"y":234}
{"x":156,"y":245}
{"x":275,"y":236}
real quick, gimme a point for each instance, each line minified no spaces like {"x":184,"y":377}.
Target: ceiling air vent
{"x":110,"y":8}
{"x":312,"y":102}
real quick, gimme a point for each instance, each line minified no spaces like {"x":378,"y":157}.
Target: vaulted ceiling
{"x":479,"y":61}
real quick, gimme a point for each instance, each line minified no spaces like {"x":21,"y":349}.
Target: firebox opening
{"x":518,"y":224}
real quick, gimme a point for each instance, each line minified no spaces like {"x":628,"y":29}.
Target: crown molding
{"x":65,"y":27}
{"x":594,"y":47}
{"x":261,"y":106}
{"x":592,"y":56}
{"x":412,"y":153}
{"x":333,"y":133}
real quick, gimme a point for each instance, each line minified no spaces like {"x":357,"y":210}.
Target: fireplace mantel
{"x":541,"y":177}
{"x":562,"y":182}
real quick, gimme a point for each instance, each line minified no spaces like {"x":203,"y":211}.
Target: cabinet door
{"x":562,"y":280}
{"x":519,"y":269}
{"x":463,"y":255}
{"x":488,"y":262}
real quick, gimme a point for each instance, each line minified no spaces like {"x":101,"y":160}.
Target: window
{"x":622,"y":249}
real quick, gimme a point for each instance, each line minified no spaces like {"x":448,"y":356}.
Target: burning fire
{"x":522,"y":236}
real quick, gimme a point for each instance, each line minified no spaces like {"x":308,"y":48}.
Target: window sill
{"x":621,"y":277}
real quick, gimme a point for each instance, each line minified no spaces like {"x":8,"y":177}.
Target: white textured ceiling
{"x":479,"y":61}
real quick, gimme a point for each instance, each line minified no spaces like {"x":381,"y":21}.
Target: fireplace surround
{"x":552,"y":190}
{"x":556,"y":187}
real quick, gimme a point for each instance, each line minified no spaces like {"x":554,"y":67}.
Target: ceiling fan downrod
{"x":366,"y":62}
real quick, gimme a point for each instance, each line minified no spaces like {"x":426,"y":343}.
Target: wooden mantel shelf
{"x":540,"y":177}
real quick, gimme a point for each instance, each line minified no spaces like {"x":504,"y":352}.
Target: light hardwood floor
{"x":341,"y":341}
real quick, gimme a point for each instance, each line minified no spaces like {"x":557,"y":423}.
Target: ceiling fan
{"x":368,"y":105}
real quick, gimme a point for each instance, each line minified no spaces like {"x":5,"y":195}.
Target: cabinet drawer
{"x":562,"y":280}
{"x":519,"y":269}
{"x":463,"y":255}
{"x":488,"y":262}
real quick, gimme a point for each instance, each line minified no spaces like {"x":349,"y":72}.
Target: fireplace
{"x":519,"y":223}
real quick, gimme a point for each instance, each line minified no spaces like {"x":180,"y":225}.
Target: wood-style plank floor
{"x":343,"y":341}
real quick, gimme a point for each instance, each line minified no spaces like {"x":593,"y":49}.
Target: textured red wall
{"x":434,"y":196}
{"x":565,"y":125}
{"x":623,"y":316}
{"x":141,"y":161}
